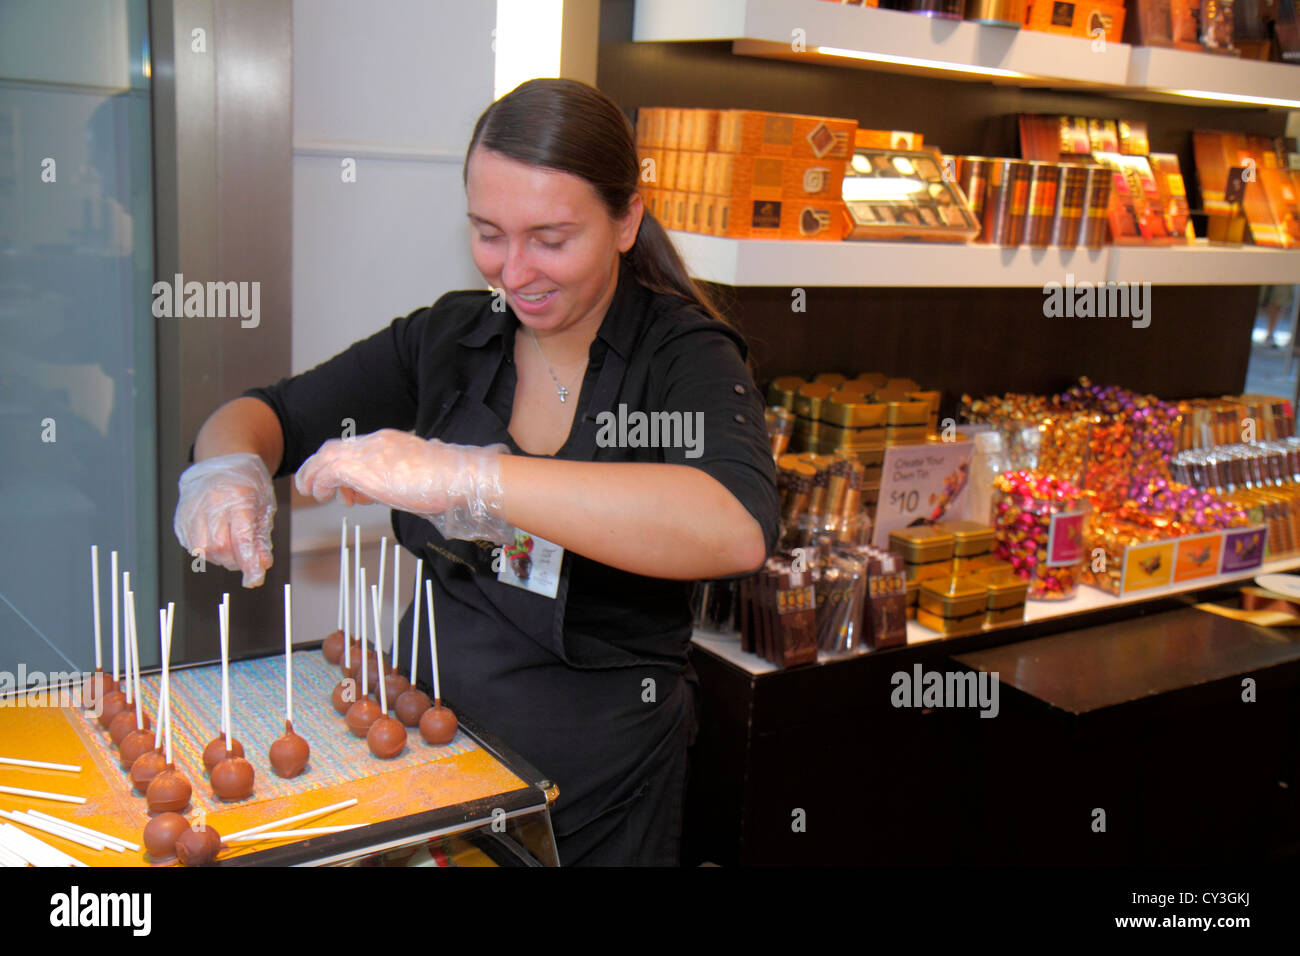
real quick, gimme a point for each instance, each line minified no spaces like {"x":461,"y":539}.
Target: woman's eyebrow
{"x":480,"y":221}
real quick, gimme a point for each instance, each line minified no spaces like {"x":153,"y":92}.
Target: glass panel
{"x":77,"y":373}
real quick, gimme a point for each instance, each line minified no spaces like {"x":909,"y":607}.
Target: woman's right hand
{"x":226,"y":511}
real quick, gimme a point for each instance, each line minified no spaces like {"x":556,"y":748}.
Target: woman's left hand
{"x":426,"y":477}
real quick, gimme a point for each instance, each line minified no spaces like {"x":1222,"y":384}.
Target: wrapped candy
{"x":1030,"y":512}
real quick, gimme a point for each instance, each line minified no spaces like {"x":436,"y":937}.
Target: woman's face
{"x":545,"y":237}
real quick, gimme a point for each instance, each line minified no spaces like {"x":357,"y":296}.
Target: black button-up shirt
{"x":563,"y":681}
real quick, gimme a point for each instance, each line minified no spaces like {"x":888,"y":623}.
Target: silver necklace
{"x":559,"y":387}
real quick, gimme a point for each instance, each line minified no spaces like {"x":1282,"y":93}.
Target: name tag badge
{"x":532,"y":563}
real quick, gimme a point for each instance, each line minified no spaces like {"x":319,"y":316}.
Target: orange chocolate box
{"x":785,"y":134}
{"x":780,"y":219}
{"x":741,"y":176}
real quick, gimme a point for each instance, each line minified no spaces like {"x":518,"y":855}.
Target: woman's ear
{"x":627,"y":227}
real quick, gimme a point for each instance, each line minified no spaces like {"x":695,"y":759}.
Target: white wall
{"x":396,"y":85}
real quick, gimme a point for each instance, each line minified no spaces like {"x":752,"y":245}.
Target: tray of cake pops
{"x":186,"y":749}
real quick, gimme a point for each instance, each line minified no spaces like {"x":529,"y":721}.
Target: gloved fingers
{"x":242,"y":530}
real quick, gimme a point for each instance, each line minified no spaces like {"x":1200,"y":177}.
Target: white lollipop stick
{"x":293,"y":834}
{"x":171,"y":609}
{"x":39,"y":764}
{"x":112,"y":586}
{"x":347,"y":612}
{"x":296,"y":818}
{"x":415,"y":619}
{"x":288,"y":655}
{"x":94,"y":600}
{"x":379,"y":653}
{"x":358,"y":598}
{"x":127,"y":650}
{"x":105,"y":837}
{"x":42,"y":795}
{"x":433,"y":639}
{"x":135,"y":659}
{"x":383,"y":561}
{"x":397,"y":563}
{"x":224,"y":615}
{"x":343,"y":563}
{"x":365,"y":687}
{"x":161,"y":720}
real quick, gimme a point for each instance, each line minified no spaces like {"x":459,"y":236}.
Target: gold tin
{"x":833,"y":379}
{"x":927,"y":572}
{"x":853,"y":414}
{"x":998,"y":13}
{"x":781,"y":391}
{"x":907,"y":413}
{"x":913,"y":592}
{"x":853,"y":438}
{"x":970,"y":538}
{"x":871,"y":455}
{"x":901,"y":385}
{"x":1005,"y":589}
{"x":910,"y":612}
{"x":899,"y":434}
{"x":921,"y":545}
{"x":1007,"y":615}
{"x":950,"y":626}
{"x":953,"y":597}
{"x":931,"y":400}
{"x":809,"y":398}
{"x":870,"y":380}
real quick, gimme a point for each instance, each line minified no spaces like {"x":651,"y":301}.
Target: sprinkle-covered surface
{"x":420,"y":779}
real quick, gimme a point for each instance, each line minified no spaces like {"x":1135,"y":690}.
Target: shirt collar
{"x":619,"y":328}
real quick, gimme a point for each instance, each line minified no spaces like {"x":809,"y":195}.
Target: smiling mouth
{"x":539,"y":297}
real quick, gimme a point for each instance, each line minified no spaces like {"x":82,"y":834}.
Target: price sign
{"x":921,"y":484}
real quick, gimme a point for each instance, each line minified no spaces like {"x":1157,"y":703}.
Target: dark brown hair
{"x":574,"y":128}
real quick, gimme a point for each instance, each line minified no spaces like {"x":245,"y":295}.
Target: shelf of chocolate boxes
{"x":1080,"y":182}
{"x":1059,"y":477}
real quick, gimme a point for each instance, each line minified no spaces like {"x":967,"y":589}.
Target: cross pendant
{"x":563,"y":392}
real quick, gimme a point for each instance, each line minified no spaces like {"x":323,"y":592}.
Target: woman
{"x":487,"y":413}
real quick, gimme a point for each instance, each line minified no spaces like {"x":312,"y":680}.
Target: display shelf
{"x":1086,"y":601}
{"x":1203,"y":263}
{"x":893,"y":41}
{"x":794,"y":263}
{"x":886,"y":40}
{"x":1213,"y":77}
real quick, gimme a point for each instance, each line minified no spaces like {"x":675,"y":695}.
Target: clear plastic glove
{"x":457,"y":487}
{"x":226,"y":510}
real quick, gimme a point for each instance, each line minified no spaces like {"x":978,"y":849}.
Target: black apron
{"x":572,"y":705}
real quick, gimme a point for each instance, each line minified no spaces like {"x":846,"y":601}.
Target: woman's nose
{"x":517,"y":270}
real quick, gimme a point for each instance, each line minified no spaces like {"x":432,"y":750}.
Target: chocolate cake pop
{"x":198,"y":845}
{"x":147,"y":766}
{"x":345,"y":695}
{"x":289,"y":754}
{"x":232,"y":778}
{"x":216,"y":751}
{"x":413,"y":702}
{"x":161,"y":834}
{"x":364,"y":711}
{"x":438,"y":723}
{"x":332,"y":647}
{"x":411,"y":706}
{"x":386,"y":736}
{"x":135,"y":745}
{"x":170,"y":789}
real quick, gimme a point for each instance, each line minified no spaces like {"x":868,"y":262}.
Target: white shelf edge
{"x":766,"y":28}
{"x":795,"y":263}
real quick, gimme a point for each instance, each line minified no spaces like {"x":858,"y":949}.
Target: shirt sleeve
{"x":705,"y":379}
{"x":368,"y":386}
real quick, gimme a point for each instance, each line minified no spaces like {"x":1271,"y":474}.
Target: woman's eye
{"x":483,"y":238}
{"x":551,"y":245}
